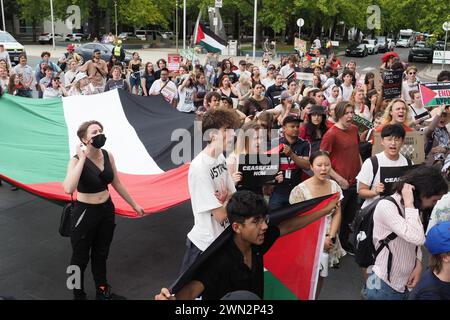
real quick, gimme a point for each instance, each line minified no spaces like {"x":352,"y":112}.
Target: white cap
{"x":80,"y":76}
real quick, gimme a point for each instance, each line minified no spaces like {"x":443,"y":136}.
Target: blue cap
{"x":438,"y":238}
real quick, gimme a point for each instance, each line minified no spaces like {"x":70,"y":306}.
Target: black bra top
{"x":92,"y":180}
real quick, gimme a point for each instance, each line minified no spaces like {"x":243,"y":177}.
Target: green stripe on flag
{"x":209,"y":48}
{"x":33,"y":139}
{"x":275,"y":290}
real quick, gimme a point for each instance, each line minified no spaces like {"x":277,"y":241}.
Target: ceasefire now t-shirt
{"x":206,"y":176}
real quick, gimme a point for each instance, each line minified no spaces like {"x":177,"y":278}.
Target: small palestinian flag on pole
{"x":209,"y":40}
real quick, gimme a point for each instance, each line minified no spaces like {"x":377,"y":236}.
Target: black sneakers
{"x":104,"y":293}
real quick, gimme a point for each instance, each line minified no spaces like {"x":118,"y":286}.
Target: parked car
{"x":151,"y":35}
{"x":439,"y":46}
{"x":383,"y":45}
{"x":372,"y":46}
{"x":420,"y":51}
{"x":71,"y":37}
{"x":125,"y":35}
{"x":48,"y":37}
{"x":168,"y":35}
{"x":12,"y":46}
{"x":358,"y":50}
{"x":86,"y":51}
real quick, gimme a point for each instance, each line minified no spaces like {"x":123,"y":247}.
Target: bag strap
{"x":369,"y":133}
{"x":165,"y":84}
{"x":374,"y":161}
{"x":409,"y":162}
{"x":384,"y":243}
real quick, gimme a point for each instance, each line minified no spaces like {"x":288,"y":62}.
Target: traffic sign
{"x":446,"y":26}
{"x":300,"y":22}
{"x":218,"y":4}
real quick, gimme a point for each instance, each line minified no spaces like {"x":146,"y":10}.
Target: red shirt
{"x":343,"y":146}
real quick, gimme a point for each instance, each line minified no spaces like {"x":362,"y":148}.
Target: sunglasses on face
{"x":412,"y":73}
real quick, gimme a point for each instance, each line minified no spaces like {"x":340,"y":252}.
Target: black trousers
{"x":349,"y":207}
{"x":93,"y":229}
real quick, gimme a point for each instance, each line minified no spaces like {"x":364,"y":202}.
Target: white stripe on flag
{"x":129,"y":153}
{"x":212,"y":42}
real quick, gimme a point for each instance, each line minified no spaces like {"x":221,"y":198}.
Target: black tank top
{"x":92,"y":180}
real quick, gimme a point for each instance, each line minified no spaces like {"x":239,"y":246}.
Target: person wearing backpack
{"x":369,"y":184}
{"x":435,"y":282}
{"x":398,"y":234}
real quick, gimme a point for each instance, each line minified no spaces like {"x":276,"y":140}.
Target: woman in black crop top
{"x":93,"y":219}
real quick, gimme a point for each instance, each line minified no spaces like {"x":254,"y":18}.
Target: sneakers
{"x":104,"y":293}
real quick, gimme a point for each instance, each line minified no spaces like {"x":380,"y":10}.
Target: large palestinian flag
{"x":38,"y":137}
{"x":209,"y":40}
{"x":292,"y":263}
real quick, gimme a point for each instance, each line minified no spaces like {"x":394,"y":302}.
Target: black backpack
{"x":361,"y":236}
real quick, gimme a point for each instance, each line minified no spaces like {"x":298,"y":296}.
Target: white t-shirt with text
{"x":206,"y":176}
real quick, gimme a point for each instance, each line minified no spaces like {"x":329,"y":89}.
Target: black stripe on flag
{"x":154,"y":121}
{"x":210,"y":33}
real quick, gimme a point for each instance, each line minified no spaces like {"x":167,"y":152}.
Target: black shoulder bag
{"x":65,"y":225}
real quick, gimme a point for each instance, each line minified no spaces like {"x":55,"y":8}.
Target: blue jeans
{"x":377,"y":289}
{"x":279,"y":199}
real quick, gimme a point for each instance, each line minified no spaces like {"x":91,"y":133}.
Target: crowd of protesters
{"x":311,"y":120}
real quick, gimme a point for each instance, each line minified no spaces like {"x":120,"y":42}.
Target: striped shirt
{"x":410,"y":233}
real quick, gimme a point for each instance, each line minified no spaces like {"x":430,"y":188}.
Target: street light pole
{"x":53,"y":23}
{"x":184,"y":24}
{"x":115,"y":13}
{"x":445,"y":49}
{"x":254,"y":29}
{"x":176,"y":24}
{"x":3,"y":16}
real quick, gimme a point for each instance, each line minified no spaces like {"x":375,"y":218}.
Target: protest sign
{"x":435,"y":93}
{"x":362,"y":123}
{"x":258,"y":169}
{"x":392,"y":84}
{"x":300,"y":45}
{"x":306,"y":77}
{"x":391,"y":175}
{"x":173,"y":62}
{"x":413,"y":147}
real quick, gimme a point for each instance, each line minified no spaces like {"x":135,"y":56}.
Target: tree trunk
{"x":333,"y":29}
{"x":345,"y":34}
{"x":33,"y":24}
{"x":236,"y":25}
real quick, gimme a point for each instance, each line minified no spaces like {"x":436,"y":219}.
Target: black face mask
{"x":98,"y":141}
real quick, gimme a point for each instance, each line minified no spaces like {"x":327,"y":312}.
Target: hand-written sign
{"x":392,"y":84}
{"x":258,"y":169}
{"x":413,"y":146}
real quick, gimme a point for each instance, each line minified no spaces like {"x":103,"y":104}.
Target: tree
{"x":35,"y":12}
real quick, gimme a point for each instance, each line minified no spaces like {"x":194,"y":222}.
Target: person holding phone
{"x":54,"y":89}
{"x":90,"y":172}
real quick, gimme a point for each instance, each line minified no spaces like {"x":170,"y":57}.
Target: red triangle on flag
{"x":427,"y":94}
{"x":200,"y":34}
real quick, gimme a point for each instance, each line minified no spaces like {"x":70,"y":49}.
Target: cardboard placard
{"x":391,"y":175}
{"x":392,"y":84}
{"x":300,"y":45}
{"x":435,"y":93}
{"x":257,"y":169}
{"x":413,"y":147}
